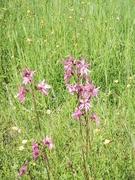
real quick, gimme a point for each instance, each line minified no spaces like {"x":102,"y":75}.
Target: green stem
{"x":86,"y":173}
{"x":35,"y":108}
{"x":47,"y":166}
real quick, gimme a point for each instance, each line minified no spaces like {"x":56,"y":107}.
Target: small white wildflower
{"x":118,"y":18}
{"x":116,"y":81}
{"x":107,"y":141}
{"x":19,"y":130}
{"x":15,"y":128}
{"x":24,"y":141}
{"x":48,"y":111}
{"x":128,"y":85}
{"x":21,"y":148}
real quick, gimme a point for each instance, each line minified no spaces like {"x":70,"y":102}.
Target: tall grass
{"x":39,"y":35}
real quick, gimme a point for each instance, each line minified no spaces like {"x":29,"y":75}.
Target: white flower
{"x":14,"y":128}
{"x":128,"y":85}
{"x":24,"y":141}
{"x":116,"y":81}
{"x":48,"y":111}
{"x":21,"y":148}
{"x":107,"y":141}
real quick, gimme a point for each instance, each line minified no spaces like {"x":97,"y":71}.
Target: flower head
{"x":48,"y":142}
{"x":84,"y":105}
{"x":22,"y":94}
{"x":68,"y":63}
{"x":23,"y":170}
{"x":95,"y":118}
{"x":24,"y":141}
{"x":27,"y":76}
{"x":107,"y":141}
{"x":43,"y":88}
{"x":71,"y":88}
{"x":35,"y":151}
{"x":21,"y":148}
{"x":68,"y":67}
{"x":82,"y":68}
{"x":77,"y":114}
{"x":90,"y":90}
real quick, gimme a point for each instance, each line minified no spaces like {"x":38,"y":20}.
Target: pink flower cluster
{"x":78,"y":71}
{"x":37,"y":152}
{"x":27,"y":78}
{"x":47,"y":143}
{"x":23,"y":169}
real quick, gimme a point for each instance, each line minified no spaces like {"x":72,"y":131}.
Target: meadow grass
{"x":39,"y":35}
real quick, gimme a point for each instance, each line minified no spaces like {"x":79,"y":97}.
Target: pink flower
{"x":89,"y":90}
{"x":84,"y":104}
{"x":48,"y":142}
{"x":22,"y":94}
{"x":82,"y":67}
{"x":95,"y":92}
{"x":77,"y":114}
{"x":35,"y":151}
{"x":68,"y":63}
{"x":43,"y":88}
{"x":95,"y":118}
{"x":23,"y":170}
{"x":27,"y":76}
{"x":71,"y":88}
{"x":68,"y":67}
{"x":67,"y":76}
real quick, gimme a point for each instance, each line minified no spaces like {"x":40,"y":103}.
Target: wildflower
{"x":84,"y":104}
{"x":128,"y":85}
{"x":28,"y":11}
{"x":23,"y":170}
{"x":48,"y":111}
{"x":29,"y":40}
{"x":71,"y":9}
{"x":27,"y":76}
{"x":90,"y":90}
{"x":116,"y":81}
{"x":107,"y":141}
{"x":35,"y":151}
{"x":72,"y":88}
{"x":34,"y":164}
{"x":68,"y":67}
{"x":15,"y":128}
{"x":77,"y":114}
{"x":43,"y":88}
{"x":82,"y":68}
{"x":118,"y":18}
{"x":95,"y":118}
{"x":48,"y":142}
{"x":24,"y":141}
{"x":22,"y":94}
{"x":21,"y":148}
{"x":19,"y":130}
{"x":67,"y":76}
{"x":131,"y":77}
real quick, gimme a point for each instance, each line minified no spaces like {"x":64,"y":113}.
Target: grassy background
{"x":39,"y":35}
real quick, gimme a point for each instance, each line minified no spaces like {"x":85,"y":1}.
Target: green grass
{"x":39,"y":35}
